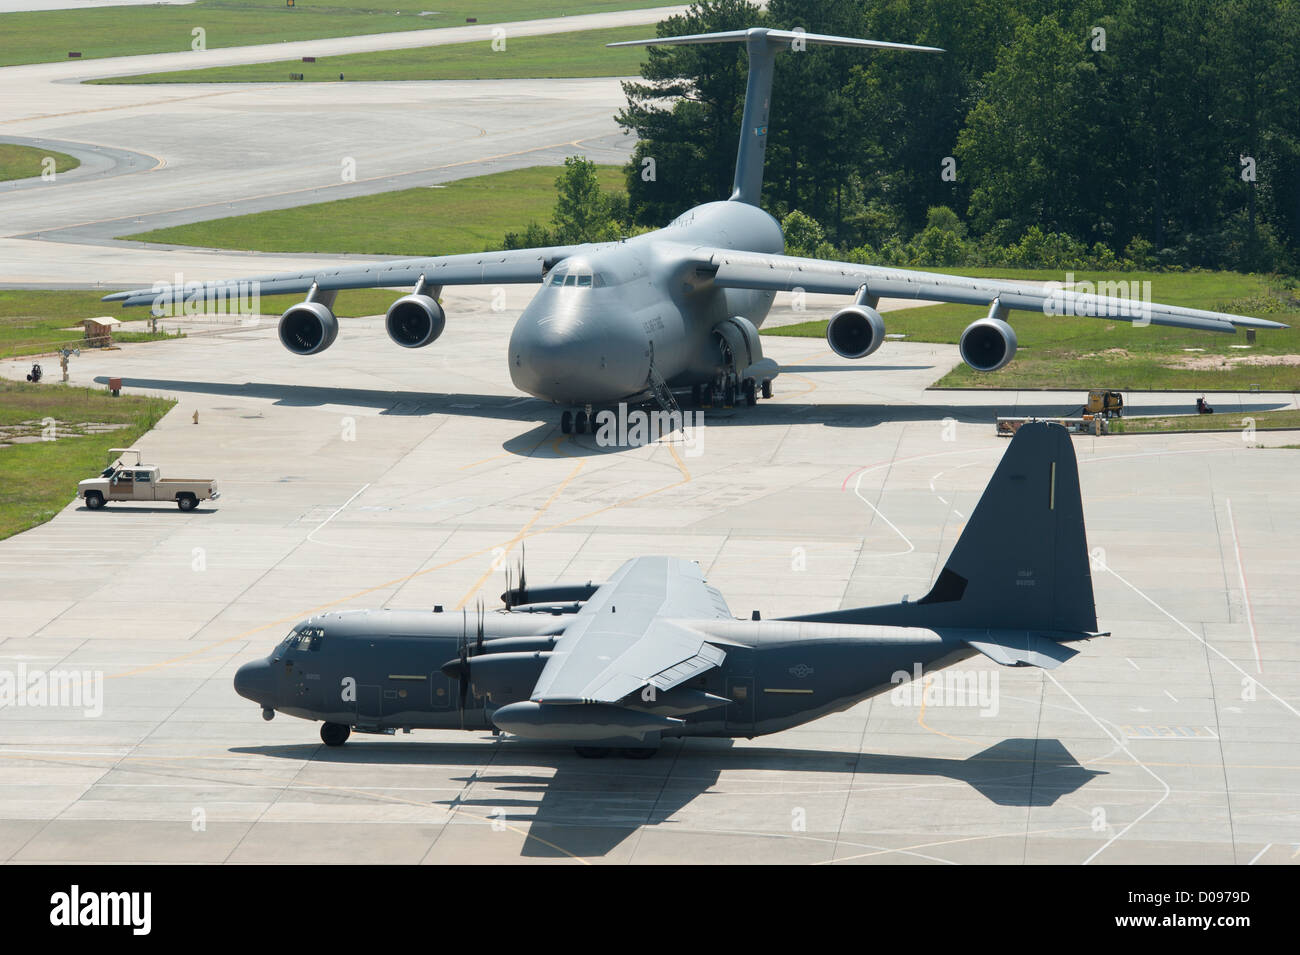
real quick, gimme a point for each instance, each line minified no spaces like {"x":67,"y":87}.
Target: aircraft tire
{"x":592,"y":752}
{"x":566,"y":422}
{"x":335,"y":734}
{"x":580,"y":422}
{"x":767,"y":387}
{"x":751,"y":392}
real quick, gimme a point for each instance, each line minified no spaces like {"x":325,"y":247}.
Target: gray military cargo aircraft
{"x":679,"y":307}
{"x":654,"y":652}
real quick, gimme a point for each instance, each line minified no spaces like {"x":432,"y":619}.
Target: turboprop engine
{"x":414,"y":321}
{"x":988,"y":344}
{"x":855,"y":331}
{"x":308,"y":328}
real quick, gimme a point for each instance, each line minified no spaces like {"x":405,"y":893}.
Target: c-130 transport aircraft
{"x":679,"y":307}
{"x":654,"y":652}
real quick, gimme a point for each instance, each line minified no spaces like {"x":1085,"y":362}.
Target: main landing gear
{"x":628,"y":752}
{"x":335,"y":734}
{"x":727,"y":391}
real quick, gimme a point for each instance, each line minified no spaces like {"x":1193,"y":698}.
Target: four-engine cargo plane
{"x":654,"y":652}
{"x":679,"y":307}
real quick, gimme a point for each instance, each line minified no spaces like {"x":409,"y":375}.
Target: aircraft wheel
{"x":592,"y":752}
{"x":767,"y":387}
{"x":697,"y":395}
{"x":94,"y":501}
{"x":566,"y":422}
{"x":580,"y":422}
{"x":639,"y":752}
{"x":335,"y":734}
{"x":751,"y":392}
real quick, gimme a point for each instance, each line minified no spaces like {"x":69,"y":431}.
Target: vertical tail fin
{"x":763,"y":45}
{"x":1021,"y":562}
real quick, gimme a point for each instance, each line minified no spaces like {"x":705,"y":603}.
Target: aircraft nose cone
{"x":574,"y":358}
{"x":255,"y":681}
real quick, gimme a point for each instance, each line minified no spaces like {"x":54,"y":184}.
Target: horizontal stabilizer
{"x":776,"y":38}
{"x":1020,"y":648}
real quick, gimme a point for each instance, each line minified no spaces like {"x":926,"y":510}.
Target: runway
{"x":161,"y":155}
{"x":373,"y":477}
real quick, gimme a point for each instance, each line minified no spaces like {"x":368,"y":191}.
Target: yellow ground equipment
{"x":1108,"y":404}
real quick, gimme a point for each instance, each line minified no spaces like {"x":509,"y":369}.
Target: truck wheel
{"x":187,"y":502}
{"x":94,"y":500}
{"x":335,"y":734}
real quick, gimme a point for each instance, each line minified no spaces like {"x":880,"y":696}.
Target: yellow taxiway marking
{"x":523,"y":532}
{"x":920,"y":718}
{"x":686,"y":477}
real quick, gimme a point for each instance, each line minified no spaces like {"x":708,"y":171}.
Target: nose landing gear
{"x":578,"y":422}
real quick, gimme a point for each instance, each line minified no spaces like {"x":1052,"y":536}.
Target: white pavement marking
{"x":857,"y":490}
{"x":1245,"y":591}
{"x":1259,"y":854}
{"x":1127,"y":752}
{"x":1201,"y":640}
{"x":312,"y":536}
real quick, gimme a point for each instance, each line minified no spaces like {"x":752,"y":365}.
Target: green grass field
{"x":24,"y":162}
{"x":1206,"y":422}
{"x":1073,"y":353}
{"x":38,"y":479}
{"x":39,"y":321}
{"x":467,"y":215}
{"x":526,"y":57}
{"x":38,"y":37}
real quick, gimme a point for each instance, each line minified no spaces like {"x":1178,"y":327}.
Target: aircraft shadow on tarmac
{"x":507,"y":408}
{"x":588,"y":807}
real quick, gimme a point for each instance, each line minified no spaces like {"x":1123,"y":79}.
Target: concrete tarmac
{"x":371,"y":476}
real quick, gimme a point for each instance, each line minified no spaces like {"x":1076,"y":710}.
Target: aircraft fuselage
{"x":606,"y":312}
{"x":381,"y":671}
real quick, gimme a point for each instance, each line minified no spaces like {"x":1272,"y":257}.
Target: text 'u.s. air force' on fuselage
{"x":654,"y":652}
{"x":679,"y":307}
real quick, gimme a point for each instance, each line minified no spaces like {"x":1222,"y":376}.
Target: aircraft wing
{"x":624,"y":638}
{"x":784,"y":273}
{"x":516,"y":266}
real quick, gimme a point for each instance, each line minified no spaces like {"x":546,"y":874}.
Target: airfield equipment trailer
{"x":137,"y":481}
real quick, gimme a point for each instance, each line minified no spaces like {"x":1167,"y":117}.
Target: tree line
{"x":1084,"y":133}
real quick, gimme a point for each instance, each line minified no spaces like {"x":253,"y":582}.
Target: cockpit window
{"x":304,"y":638}
{"x":575,"y":279}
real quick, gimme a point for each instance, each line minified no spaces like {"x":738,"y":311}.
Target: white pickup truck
{"x":123,"y":481}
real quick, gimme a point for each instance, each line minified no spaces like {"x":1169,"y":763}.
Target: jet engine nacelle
{"x":414,"y":321}
{"x":988,"y":344}
{"x":308,"y":328}
{"x":855,"y":331}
